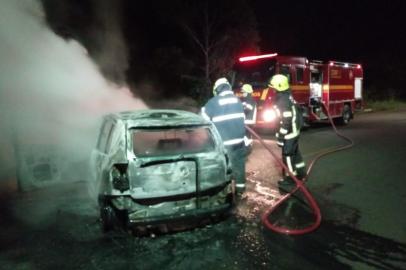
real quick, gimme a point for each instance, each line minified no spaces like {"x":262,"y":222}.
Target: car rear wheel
{"x":108,"y":218}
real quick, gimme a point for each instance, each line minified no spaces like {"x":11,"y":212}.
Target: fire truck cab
{"x":336,"y":84}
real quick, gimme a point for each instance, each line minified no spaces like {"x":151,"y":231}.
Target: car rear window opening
{"x":172,"y":141}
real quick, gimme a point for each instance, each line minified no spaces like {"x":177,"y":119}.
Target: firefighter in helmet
{"x":250,"y":109}
{"x":249,"y":104}
{"x":226,"y":112}
{"x":291,"y":121}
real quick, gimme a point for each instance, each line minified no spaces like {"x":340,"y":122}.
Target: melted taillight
{"x":119,"y":177}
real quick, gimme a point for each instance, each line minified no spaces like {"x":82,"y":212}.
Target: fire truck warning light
{"x":255,"y":57}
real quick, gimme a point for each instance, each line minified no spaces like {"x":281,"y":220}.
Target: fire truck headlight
{"x":269,"y":115}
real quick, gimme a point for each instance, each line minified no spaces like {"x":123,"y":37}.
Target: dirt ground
{"x":58,"y":228}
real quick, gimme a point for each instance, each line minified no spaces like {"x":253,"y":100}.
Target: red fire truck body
{"x":336,"y":84}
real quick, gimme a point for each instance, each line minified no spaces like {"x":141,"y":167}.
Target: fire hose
{"x":299,"y":184}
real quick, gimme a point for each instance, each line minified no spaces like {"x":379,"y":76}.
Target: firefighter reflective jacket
{"x":226,"y":112}
{"x":291,"y":119}
{"x":250,"y":109}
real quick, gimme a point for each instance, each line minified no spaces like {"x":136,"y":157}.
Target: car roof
{"x":157,"y":117}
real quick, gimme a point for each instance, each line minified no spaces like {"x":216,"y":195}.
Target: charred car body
{"x":155,"y":166}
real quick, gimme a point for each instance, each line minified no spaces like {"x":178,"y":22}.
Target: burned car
{"x":151,"y":167}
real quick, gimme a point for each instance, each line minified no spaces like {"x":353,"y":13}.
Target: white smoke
{"x":51,"y":93}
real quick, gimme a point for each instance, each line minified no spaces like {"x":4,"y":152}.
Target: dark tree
{"x":219,"y":32}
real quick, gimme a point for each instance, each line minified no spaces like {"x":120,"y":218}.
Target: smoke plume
{"x":52,"y":95}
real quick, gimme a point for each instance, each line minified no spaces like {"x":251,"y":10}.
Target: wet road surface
{"x":361,"y":193}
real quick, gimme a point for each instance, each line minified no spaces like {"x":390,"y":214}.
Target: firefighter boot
{"x":286,"y":185}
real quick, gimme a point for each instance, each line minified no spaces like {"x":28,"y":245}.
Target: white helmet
{"x":220,"y":82}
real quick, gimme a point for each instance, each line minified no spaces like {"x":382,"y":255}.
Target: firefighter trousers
{"x":292,"y":158}
{"x":237,"y":155}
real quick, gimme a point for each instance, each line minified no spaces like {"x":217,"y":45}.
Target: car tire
{"x":346,"y":115}
{"x":108,"y":218}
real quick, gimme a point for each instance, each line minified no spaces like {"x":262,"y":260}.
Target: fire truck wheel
{"x":346,"y":116}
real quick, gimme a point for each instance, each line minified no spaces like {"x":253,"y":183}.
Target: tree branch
{"x":194,"y":37}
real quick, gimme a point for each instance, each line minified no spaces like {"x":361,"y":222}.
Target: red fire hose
{"x":299,"y":185}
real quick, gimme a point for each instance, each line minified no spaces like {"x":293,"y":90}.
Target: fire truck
{"x":336,"y":84}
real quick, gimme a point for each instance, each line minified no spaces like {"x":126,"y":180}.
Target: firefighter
{"x":291,"y":120}
{"x":250,"y":110}
{"x":249,"y":104}
{"x":226,"y":111}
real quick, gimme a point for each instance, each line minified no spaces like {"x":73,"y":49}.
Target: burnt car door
{"x":100,"y":158}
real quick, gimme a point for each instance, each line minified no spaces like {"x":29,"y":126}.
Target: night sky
{"x":346,"y":30}
{"x":368,"y":32}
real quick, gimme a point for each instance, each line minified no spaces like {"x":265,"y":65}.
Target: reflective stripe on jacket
{"x":227,"y":114}
{"x":250,"y":109}
{"x":289,"y":115}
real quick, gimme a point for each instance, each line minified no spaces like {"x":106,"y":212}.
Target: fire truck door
{"x":285,"y":70}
